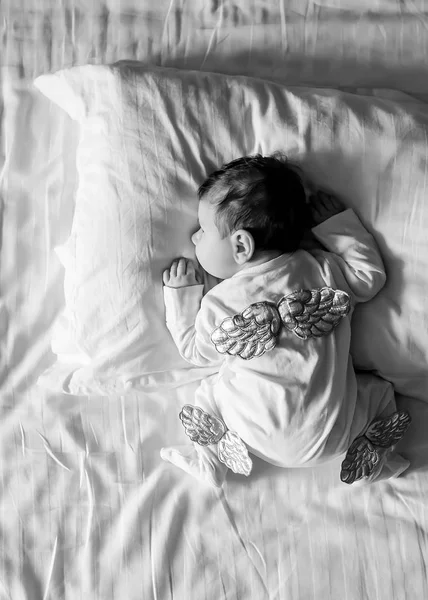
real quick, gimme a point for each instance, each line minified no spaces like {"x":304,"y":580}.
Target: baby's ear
{"x":243,"y":246}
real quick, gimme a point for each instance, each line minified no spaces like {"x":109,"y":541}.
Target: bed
{"x":90,"y":384}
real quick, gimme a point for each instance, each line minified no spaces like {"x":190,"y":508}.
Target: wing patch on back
{"x":314,"y":313}
{"x":308,"y":313}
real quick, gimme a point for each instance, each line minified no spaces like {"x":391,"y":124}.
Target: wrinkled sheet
{"x":359,"y":43}
{"x":87,"y":509}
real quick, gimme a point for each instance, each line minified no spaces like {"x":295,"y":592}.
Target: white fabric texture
{"x":88,"y":509}
{"x":369,"y":152}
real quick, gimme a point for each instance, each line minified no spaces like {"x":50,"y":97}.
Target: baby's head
{"x":250,"y":211}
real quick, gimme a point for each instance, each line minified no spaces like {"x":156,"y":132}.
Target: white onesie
{"x":298,"y":404}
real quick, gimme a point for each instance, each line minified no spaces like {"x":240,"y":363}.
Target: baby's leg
{"x":372,"y":457}
{"x":201,"y":462}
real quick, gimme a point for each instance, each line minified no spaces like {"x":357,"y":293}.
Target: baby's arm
{"x":355,"y":254}
{"x":190,"y":317}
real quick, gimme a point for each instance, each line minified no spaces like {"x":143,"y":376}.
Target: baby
{"x":278,"y":327}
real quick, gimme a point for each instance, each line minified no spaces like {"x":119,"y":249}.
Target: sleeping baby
{"x":278,"y":327}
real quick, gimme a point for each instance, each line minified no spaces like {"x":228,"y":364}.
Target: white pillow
{"x":148,"y":139}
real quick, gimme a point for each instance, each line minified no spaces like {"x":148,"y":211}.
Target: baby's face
{"x":214,"y":254}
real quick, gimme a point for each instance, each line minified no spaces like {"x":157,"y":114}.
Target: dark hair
{"x":265,"y":196}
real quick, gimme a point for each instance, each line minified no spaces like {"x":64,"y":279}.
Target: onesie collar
{"x":267,"y":266}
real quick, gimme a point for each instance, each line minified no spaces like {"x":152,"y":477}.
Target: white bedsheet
{"x":357,"y":43}
{"x":90,"y":511}
{"x":87,"y":509}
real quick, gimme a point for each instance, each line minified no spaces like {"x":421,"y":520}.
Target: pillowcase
{"x":149,"y":137}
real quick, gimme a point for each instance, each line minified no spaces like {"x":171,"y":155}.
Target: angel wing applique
{"x":306,"y":313}
{"x":364,"y":457}
{"x":205,"y":429}
{"x":314,"y":313}
{"x":250,"y":334}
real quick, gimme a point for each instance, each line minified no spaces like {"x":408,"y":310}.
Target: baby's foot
{"x":390,"y":467}
{"x":394,"y":466}
{"x":370,"y":452}
{"x":196,"y":462}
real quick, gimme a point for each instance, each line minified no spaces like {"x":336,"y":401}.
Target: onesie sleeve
{"x":352,"y":254}
{"x":190,"y":318}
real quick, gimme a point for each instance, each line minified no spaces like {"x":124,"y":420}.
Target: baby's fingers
{"x":190,"y":266}
{"x":181,"y":267}
{"x":331,"y":201}
{"x":314,"y":200}
{"x":328,"y":201}
{"x":316,"y":207}
{"x":195,"y":270}
{"x":321,"y":200}
{"x":165,"y":277}
{"x":173,"y":268}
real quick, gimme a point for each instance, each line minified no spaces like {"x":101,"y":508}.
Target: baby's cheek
{"x":203,"y":255}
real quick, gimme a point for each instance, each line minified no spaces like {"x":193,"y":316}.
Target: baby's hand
{"x":323,"y":206}
{"x":181,"y":273}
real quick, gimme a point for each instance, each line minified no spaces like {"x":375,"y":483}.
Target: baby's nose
{"x":194,"y":237}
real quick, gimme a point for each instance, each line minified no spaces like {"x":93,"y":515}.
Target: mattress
{"x":87,"y":508}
